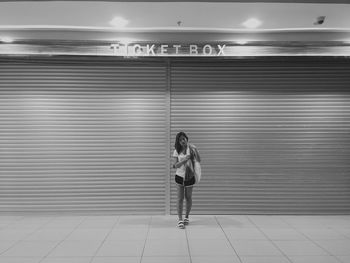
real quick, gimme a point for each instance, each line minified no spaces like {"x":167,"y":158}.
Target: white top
{"x":181,"y":170}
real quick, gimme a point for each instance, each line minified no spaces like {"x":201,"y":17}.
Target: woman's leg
{"x":180,"y":199}
{"x":188,"y":197}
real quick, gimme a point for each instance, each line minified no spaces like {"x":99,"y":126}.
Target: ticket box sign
{"x":170,"y":49}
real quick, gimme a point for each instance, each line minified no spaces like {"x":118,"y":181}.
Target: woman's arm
{"x":177,"y":164}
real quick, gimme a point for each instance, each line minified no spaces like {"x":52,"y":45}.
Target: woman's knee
{"x":180,"y":199}
{"x":180,"y":195}
{"x":188,"y":195}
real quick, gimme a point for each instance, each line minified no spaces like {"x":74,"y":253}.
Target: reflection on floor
{"x":155,"y":239}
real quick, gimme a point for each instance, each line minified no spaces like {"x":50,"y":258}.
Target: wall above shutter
{"x":273,"y":133}
{"x":82,"y":135}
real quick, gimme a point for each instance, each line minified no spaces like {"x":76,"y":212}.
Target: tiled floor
{"x":155,"y":239}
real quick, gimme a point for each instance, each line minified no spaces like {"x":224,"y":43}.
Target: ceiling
{"x":197,"y":16}
{"x":282,"y":22}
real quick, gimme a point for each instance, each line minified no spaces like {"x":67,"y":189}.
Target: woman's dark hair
{"x":178,"y":146}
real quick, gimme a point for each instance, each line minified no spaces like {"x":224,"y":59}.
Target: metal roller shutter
{"x":274,"y":133}
{"x":83,"y":135}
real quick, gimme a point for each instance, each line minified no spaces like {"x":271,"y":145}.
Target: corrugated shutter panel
{"x":274,"y":133}
{"x":82,"y":135}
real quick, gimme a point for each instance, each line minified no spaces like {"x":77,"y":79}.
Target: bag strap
{"x":194,"y":153}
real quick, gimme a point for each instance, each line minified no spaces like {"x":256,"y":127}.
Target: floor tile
{"x":321,"y":234}
{"x":300,"y":248}
{"x":116,"y":260}
{"x":163,"y":221}
{"x":342,"y":231}
{"x":313,"y":259}
{"x":255,"y":248}
{"x":244,"y":234}
{"x":3,"y":225}
{"x":77,"y":248}
{"x":96,"y":234}
{"x":134,"y":221}
{"x":128,"y":234}
{"x":65,"y":222}
{"x":210,"y":247}
{"x":67,"y":260}
{"x":15,"y":234}
{"x":269,"y":221}
{"x":33,"y":221}
{"x":20,"y":259}
{"x":173,"y":259}
{"x":343,"y":259}
{"x":5,"y":245}
{"x":283,"y":234}
{"x":99,"y":222}
{"x":30,"y":249}
{"x":10,"y":219}
{"x":203,"y":221}
{"x":170,"y":247}
{"x":167,"y":233}
{"x":335,"y":247}
{"x":330,"y":221}
{"x":121,"y":248}
{"x":29,"y":227}
{"x":239,"y":221}
{"x":48,"y":235}
{"x":205,"y":233}
{"x":264,"y":259}
{"x":343,"y":222}
{"x":215,"y":259}
{"x":303,"y":222}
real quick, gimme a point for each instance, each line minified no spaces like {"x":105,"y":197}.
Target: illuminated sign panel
{"x":169,"y":50}
{"x":176,"y":49}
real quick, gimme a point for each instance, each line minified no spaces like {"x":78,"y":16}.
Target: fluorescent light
{"x":118,"y":22}
{"x":252,"y":23}
{"x":242,"y":42}
{"x":6,"y":39}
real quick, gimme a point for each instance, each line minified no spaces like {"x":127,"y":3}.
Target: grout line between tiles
{"x":104,"y":240}
{"x":268,"y":238}
{"x":144,"y":245}
{"x":29,"y":234}
{"x":217,"y":221}
{"x":311,"y":240}
{"x":60,"y":242}
{"x":188,"y":245}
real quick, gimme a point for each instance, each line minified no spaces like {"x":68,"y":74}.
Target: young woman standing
{"x":181,"y":155}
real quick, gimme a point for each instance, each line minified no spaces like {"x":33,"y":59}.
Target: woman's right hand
{"x":187,"y":157}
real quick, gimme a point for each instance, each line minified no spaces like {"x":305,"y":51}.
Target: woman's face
{"x":183,"y":141}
